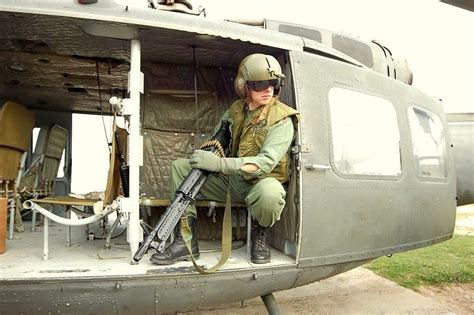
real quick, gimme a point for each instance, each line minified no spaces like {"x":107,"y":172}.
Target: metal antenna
{"x":195,"y":89}
{"x":100,"y":103}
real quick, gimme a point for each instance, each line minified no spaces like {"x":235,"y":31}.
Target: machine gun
{"x":185,"y":195}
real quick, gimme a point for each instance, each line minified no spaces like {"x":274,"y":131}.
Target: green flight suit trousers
{"x":265,"y":199}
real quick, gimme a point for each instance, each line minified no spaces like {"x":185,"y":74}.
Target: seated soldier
{"x":262,"y":130}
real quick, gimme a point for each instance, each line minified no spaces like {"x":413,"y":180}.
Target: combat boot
{"x":260,"y":253}
{"x":178,"y":251}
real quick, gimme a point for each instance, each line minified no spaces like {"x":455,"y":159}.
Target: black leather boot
{"x":178,"y":251}
{"x":260,"y":253}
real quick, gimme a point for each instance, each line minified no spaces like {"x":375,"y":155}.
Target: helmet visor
{"x":259,"y":86}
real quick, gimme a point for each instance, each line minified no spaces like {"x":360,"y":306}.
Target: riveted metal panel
{"x":142,"y":294}
{"x":349,"y":218}
{"x":463,"y":142}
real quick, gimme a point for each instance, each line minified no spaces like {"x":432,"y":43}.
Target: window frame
{"x":331,"y":142}
{"x":415,"y":162}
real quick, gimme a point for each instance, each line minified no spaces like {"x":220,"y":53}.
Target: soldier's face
{"x":259,"y":98}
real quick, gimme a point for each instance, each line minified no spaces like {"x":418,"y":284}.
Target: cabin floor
{"x":89,"y":258}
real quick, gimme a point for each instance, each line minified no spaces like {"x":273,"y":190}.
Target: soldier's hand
{"x":205,"y":160}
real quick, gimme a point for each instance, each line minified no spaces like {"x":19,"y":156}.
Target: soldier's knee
{"x":267,"y":201}
{"x":180,"y":163}
{"x":268,"y":193}
{"x":180,"y":166}
{"x":272,"y":198}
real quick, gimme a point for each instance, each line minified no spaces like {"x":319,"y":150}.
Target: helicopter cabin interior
{"x":57,"y":67}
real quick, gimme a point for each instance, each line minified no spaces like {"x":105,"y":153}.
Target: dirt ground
{"x":360,"y":291}
{"x":465,"y":220}
{"x":460,"y":296}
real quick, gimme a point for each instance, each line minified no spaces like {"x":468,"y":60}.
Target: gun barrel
{"x":142,"y":249}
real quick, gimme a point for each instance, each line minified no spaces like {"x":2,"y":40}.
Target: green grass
{"x":448,"y":262}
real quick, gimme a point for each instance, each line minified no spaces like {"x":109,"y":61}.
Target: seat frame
{"x":16,"y":126}
{"x":111,"y":198}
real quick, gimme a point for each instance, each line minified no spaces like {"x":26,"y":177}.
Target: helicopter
{"x":373,"y":170}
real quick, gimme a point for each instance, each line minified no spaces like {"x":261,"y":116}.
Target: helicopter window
{"x":301,"y":31}
{"x":354,"y":48}
{"x":365,"y":134}
{"x":429,"y":143}
{"x":34,"y":138}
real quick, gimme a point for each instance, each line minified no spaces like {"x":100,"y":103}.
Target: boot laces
{"x":260,"y":242}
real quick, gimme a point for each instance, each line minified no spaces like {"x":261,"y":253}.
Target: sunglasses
{"x":259,"y":86}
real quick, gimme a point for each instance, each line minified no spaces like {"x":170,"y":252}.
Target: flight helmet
{"x":257,"y":72}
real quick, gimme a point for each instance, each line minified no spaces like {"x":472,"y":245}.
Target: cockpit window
{"x":365,"y":134}
{"x":429,"y":144}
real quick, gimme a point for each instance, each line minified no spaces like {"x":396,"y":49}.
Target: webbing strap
{"x":264,"y":112}
{"x":226,"y":238}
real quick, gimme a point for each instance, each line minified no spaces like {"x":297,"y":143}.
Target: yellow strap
{"x":226,"y":238}
{"x":237,"y":226}
{"x":264,"y":112}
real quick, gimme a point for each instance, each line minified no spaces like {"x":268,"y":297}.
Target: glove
{"x":208,"y":161}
